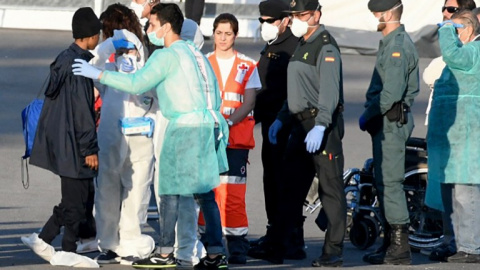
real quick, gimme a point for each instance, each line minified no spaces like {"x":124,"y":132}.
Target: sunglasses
{"x":450,"y":9}
{"x":271,"y":20}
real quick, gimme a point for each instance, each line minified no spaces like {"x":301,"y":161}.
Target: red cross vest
{"x":241,"y":134}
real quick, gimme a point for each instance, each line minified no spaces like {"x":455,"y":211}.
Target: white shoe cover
{"x":63,"y":258}
{"x":42,"y":249}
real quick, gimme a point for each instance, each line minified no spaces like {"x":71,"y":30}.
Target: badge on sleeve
{"x":396,"y":54}
{"x":329,"y":59}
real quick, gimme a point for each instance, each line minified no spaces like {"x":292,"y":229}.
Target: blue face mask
{"x":152,"y":36}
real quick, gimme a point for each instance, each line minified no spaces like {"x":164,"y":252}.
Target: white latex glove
{"x":273,"y":131}
{"x":314,"y":138}
{"x":82,"y":68}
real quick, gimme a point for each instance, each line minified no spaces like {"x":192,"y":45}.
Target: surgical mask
{"x":137,"y":8}
{"x":126,"y":63}
{"x":270,"y":31}
{"x":299,"y":28}
{"x":152,"y":36}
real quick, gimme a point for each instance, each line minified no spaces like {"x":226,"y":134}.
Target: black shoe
{"x":328,"y":261}
{"x":218,"y":262}
{"x":442,"y":253}
{"x":463,"y":257}
{"x":265,"y":252}
{"x":257,"y":242}
{"x":237,"y":259}
{"x":298,"y":254}
{"x":156,"y":261}
{"x":107,"y":257}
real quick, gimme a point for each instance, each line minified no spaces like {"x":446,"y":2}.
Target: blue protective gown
{"x":454,"y":129}
{"x":188,"y":162}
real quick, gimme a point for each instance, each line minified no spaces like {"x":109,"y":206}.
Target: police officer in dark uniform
{"x":314,"y":109}
{"x":387,"y":117}
{"x":272,"y":68}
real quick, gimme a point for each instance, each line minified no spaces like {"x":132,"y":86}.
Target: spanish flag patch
{"x":396,"y":54}
{"x":329,"y":59}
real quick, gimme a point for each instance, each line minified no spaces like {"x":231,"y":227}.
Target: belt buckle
{"x":312,"y":111}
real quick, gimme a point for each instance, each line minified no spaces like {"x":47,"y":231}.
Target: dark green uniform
{"x":314,"y":85}
{"x":395,"y":79}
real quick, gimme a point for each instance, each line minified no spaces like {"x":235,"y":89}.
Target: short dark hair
{"x":169,"y":13}
{"x":465,"y":4}
{"x":117,"y":17}
{"x":397,"y":12}
{"x":226,"y":18}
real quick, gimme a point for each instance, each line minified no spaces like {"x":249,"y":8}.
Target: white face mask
{"x":299,"y":28}
{"x":137,"y":8}
{"x":126,"y":63}
{"x":270,"y":31}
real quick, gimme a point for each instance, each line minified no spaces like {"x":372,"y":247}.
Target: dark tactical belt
{"x":312,"y":113}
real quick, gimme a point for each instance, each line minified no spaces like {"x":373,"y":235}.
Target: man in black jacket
{"x":272,"y":68}
{"x":66,"y":140}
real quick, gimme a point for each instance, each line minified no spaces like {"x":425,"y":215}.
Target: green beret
{"x":304,"y":5}
{"x":382,"y":5}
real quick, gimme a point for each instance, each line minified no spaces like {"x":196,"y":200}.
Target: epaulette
{"x":326,"y":38}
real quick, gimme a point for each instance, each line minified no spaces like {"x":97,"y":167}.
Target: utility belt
{"x":398,"y":113}
{"x":312,"y":113}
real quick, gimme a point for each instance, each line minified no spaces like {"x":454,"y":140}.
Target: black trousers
{"x":74,"y":213}
{"x":194,"y":10}
{"x":299,"y":168}
{"x":272,"y":156}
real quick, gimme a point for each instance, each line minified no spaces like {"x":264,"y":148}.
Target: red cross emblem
{"x":243,"y":67}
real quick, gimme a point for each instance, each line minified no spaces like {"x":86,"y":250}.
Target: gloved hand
{"x":273,"y":130}
{"x":82,"y":68}
{"x":105,"y":49}
{"x":122,"y":43}
{"x":128,"y":36}
{"x":362,"y":123}
{"x":456,"y":25}
{"x":127,"y":65}
{"x":314,"y":138}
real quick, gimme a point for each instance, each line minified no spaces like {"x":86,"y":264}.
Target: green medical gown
{"x":189,"y":163}
{"x":453,"y":136}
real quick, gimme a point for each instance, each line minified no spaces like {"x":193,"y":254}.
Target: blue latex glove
{"x":273,"y":131}
{"x":122,"y":43}
{"x":82,"y":68}
{"x":314,"y":138}
{"x":362,"y":123}
{"x":127,"y":65}
{"x":456,"y":25}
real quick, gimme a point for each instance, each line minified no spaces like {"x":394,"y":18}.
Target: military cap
{"x":274,"y":8}
{"x":382,"y":5}
{"x":304,"y":5}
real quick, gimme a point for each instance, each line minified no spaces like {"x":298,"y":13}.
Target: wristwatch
{"x":229,"y":122}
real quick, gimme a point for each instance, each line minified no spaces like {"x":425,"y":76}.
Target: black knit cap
{"x":382,"y":5}
{"x":85,"y":23}
{"x":274,"y":8}
{"x":304,"y":5}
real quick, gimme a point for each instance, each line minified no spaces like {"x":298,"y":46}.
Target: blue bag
{"x":30,"y":117}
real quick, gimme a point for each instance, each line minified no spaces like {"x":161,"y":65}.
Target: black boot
{"x":296,"y":245}
{"x":399,"y":250}
{"x":378,"y":255}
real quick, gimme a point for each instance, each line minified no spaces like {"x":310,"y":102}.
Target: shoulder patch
{"x":396,"y":54}
{"x":329,"y":59}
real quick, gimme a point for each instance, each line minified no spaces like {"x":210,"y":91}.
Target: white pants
{"x":121,"y":200}
{"x":187,"y":246}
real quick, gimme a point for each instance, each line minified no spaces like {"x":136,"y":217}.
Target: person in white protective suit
{"x":126,"y":158}
{"x":188,"y":249}
{"x":193,"y":151}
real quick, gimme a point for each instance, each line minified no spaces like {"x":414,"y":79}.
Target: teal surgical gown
{"x":453,"y":135}
{"x":189,"y":163}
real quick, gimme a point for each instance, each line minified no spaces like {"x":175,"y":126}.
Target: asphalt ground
{"x":24,"y":59}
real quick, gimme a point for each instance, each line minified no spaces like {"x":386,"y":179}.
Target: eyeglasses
{"x":151,"y":2}
{"x":450,"y":9}
{"x":271,"y":20}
